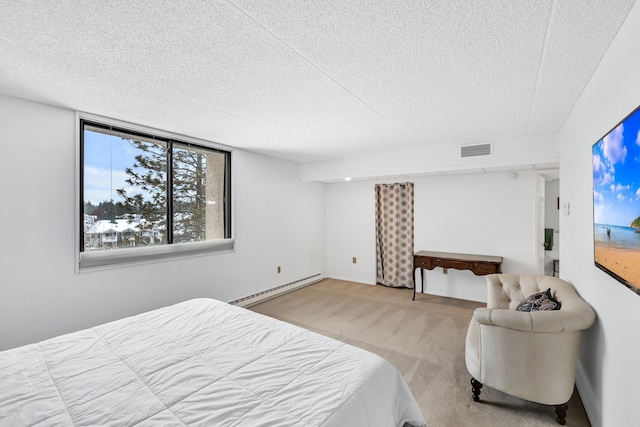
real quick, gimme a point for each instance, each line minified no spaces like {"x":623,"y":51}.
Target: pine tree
{"x":189,"y":195}
{"x":149,"y":174}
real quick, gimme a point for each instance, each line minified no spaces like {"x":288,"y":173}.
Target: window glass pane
{"x":124,"y":190}
{"x":198,"y":194}
{"x":146,"y":191}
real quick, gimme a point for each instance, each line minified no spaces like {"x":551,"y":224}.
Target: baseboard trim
{"x":259,"y":297}
{"x":588,"y":397}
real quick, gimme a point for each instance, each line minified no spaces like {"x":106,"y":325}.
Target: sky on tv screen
{"x":616,"y":174}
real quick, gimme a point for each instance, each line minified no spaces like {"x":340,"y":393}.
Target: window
{"x":146,"y":196}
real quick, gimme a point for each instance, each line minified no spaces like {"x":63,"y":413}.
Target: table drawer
{"x":423,"y":263}
{"x":485,"y":268}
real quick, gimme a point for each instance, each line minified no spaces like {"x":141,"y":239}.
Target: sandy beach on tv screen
{"x":625,"y":263}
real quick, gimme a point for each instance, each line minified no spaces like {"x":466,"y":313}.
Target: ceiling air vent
{"x":473,"y":150}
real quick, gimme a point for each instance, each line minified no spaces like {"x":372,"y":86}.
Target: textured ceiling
{"x":310,"y":80}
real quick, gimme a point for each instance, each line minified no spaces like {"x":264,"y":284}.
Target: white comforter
{"x":200,"y":363}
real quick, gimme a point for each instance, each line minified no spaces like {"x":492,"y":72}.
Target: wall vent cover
{"x":473,"y":150}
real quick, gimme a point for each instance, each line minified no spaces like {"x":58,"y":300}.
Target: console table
{"x":480,"y":265}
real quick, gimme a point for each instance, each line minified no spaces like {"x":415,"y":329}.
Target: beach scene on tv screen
{"x":616,"y":201}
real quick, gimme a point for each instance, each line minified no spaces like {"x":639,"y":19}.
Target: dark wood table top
{"x":459,"y":256}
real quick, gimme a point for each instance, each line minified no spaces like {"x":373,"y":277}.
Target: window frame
{"x":91,"y":260}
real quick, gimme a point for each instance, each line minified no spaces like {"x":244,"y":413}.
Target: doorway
{"x":552,"y":222}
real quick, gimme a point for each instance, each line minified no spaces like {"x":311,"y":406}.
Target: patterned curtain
{"x":394,"y":234}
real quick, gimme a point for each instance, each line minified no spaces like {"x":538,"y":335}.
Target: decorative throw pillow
{"x":539,"y":302}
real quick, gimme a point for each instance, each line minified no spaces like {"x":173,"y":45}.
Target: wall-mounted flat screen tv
{"x":616,"y":201}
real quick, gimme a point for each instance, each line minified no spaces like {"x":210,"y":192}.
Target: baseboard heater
{"x":277,"y":291}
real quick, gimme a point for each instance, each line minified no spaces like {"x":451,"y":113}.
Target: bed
{"x":201,"y":362}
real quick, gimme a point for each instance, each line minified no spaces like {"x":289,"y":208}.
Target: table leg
{"x":414,"y":285}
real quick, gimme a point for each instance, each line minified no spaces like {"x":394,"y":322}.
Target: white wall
{"x":350,"y":210}
{"x":608,"y":365}
{"x":485,"y":213}
{"x":278,"y":221}
{"x":509,"y":153}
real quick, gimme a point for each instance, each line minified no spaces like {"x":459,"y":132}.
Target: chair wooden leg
{"x":561,"y":413}
{"x":475,"y":388}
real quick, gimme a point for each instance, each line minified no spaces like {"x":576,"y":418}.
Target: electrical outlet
{"x":353,"y":260}
{"x":279,"y":269}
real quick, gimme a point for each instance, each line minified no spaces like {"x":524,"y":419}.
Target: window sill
{"x":125,"y":256}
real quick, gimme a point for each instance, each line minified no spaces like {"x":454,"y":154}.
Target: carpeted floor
{"x":423,"y":339}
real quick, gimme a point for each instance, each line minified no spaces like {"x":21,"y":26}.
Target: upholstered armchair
{"x":530,"y":355}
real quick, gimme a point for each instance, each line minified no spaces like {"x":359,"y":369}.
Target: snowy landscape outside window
{"x":140,"y":190}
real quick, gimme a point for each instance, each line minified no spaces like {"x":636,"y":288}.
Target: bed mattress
{"x":200,"y":363}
